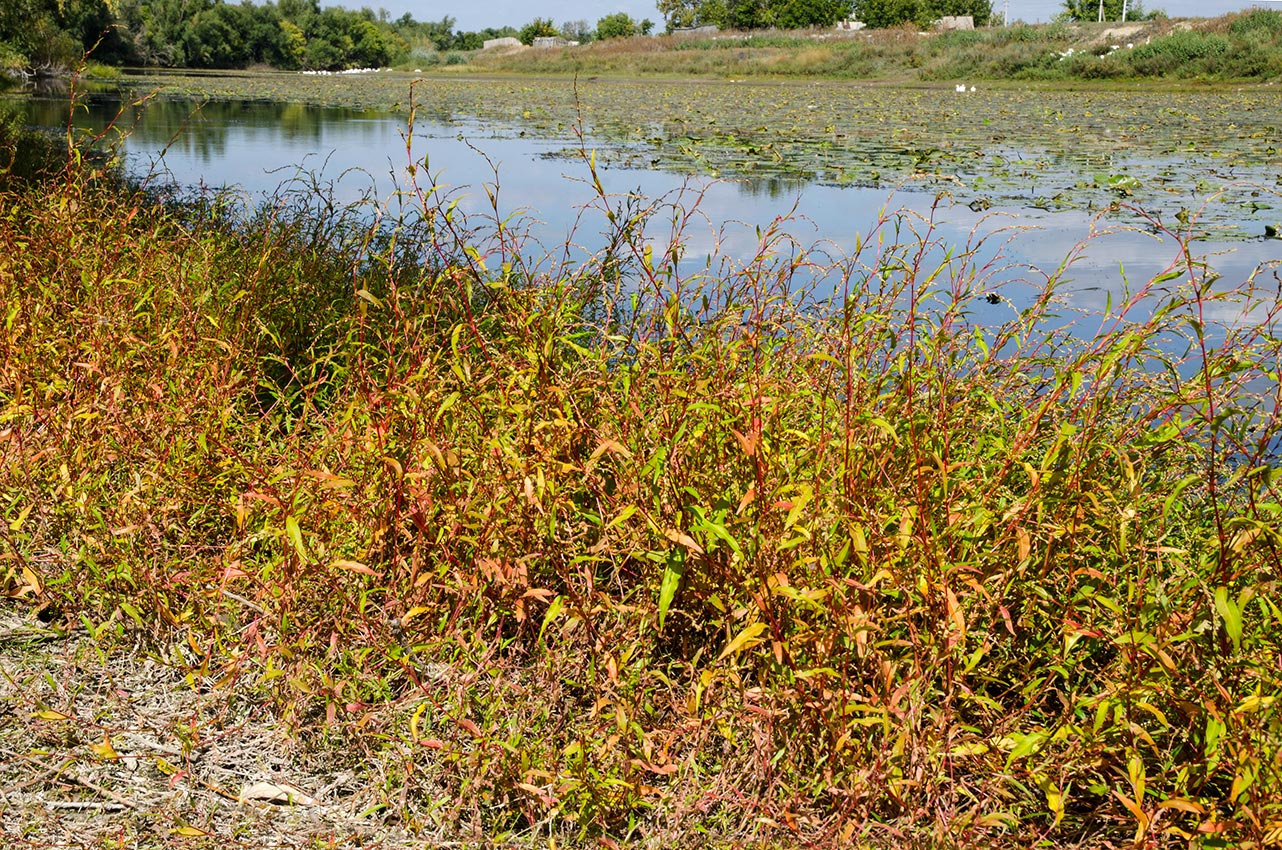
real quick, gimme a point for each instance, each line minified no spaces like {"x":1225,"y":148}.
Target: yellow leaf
{"x":414,"y":719}
{"x":104,"y":751}
{"x":295,"y":536}
{"x":1054,"y":798}
{"x":746,"y":639}
{"x":954,"y":610}
{"x":50,"y":714}
{"x":412,"y":613}
{"x":1180,"y":804}
{"x":608,"y":445}
{"x":1141,"y":819}
{"x":188,"y":832}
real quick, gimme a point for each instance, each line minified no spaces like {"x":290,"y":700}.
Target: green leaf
{"x":295,"y":537}
{"x":1024,"y":745}
{"x":553,"y":610}
{"x":1231,"y":614}
{"x":671,"y":580}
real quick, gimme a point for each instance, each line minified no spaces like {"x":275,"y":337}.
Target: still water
{"x":502,"y":172}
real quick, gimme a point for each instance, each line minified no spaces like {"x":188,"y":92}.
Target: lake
{"x":536,"y":167}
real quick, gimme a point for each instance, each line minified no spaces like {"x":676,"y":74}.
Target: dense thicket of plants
{"x":658,"y":550}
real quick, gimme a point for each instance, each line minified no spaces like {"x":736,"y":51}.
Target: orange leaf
{"x":683,"y":539}
{"x":354,"y":566}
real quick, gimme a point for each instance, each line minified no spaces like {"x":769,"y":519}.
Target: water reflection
{"x":497,"y":171}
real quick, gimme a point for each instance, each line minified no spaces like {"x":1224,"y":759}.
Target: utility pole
{"x":1006,"y":15}
{"x":1123,"y":11}
{"x":1101,"y":11}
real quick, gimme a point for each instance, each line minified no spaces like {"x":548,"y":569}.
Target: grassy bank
{"x":1245,"y":46}
{"x":609,"y":548}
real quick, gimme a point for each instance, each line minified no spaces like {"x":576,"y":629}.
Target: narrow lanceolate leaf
{"x":276,"y":792}
{"x":553,"y":610}
{"x":355,"y":567}
{"x":746,"y":639}
{"x":682,"y":539}
{"x":295,"y":537}
{"x":671,"y":581}
{"x":415,"y":719}
{"x":51,"y":715}
{"x":1231,"y":614}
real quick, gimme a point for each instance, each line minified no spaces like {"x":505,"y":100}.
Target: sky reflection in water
{"x":260,"y":146}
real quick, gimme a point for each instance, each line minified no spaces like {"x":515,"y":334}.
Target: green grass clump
{"x":659,"y":551}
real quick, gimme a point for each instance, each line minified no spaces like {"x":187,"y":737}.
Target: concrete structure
{"x":957,"y":22}
{"x":851,"y":26}
{"x":545,"y":42}
{"x":491,"y":43}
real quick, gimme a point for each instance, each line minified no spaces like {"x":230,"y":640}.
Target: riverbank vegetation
{"x":1246,"y":46}
{"x":599,"y":544}
{"x":757,"y":40}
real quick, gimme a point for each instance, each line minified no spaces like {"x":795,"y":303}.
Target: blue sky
{"x":478,"y":14}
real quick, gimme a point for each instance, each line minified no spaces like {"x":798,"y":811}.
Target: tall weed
{"x":653,"y":546}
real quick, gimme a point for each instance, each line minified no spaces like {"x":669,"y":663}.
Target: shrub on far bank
{"x":27,"y":155}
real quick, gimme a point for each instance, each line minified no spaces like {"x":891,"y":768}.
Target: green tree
{"x":892,"y":13}
{"x":48,"y":35}
{"x":537,"y":28}
{"x":798,"y":14}
{"x":753,"y":14}
{"x":580,"y":31}
{"x":158,"y":28}
{"x":216,"y":37}
{"x":618,"y":25}
{"x":680,"y":13}
{"x":1089,"y":10}
{"x":292,"y":47}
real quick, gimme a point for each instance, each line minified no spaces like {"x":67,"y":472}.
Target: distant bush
{"x":423,"y":57}
{"x":537,"y":28}
{"x":1182,"y":53}
{"x":957,"y":38}
{"x":1018,"y":33}
{"x":26,"y":155}
{"x":1088,"y":66}
{"x":618,"y":25}
{"x":1259,"y":21}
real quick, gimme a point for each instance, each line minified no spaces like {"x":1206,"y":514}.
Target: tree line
{"x":47,"y":35}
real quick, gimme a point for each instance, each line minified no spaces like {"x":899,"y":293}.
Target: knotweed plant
{"x":608,"y":542}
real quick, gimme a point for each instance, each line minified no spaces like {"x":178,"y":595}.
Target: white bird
{"x":961,"y":87}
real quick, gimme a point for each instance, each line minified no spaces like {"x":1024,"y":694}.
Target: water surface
{"x":503,"y":169}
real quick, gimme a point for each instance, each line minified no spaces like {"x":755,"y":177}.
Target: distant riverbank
{"x":1236,"y":47}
